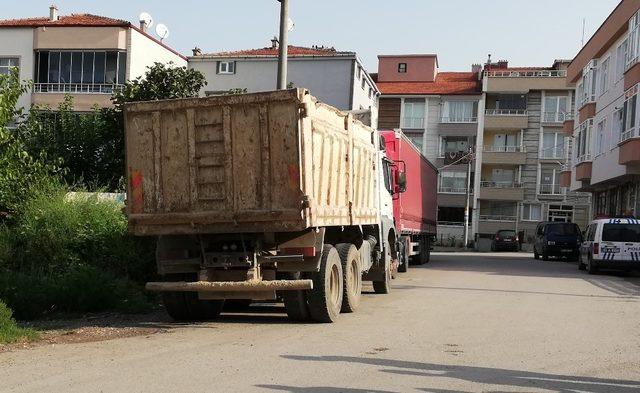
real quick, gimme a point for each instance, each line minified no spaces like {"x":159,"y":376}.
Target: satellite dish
{"x":146,"y":18}
{"x":162,"y":31}
{"x":290,"y":24}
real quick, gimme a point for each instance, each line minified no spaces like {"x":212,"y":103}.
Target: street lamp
{"x":282,"y":54}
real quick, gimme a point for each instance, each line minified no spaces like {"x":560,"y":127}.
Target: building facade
{"x":333,"y":77}
{"x":606,"y":73}
{"x":522,"y":151}
{"x":86,"y":56}
{"x":438,"y":111}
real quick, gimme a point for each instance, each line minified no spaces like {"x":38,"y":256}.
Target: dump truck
{"x":415,"y":210}
{"x":260,"y":196}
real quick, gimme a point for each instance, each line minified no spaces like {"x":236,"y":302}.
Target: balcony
{"x":550,"y":189}
{"x":455,"y":157}
{"x":501,"y":191}
{"x":629,"y":148}
{"x":453,"y":190}
{"x":553,"y":153}
{"x":494,"y":217}
{"x":568,"y":125}
{"x":85,"y":96}
{"x":515,"y":155}
{"x":77,"y":88}
{"x":583,"y":168}
{"x":505,"y":119}
{"x":523,"y":81}
{"x":556,"y":117}
{"x":459,"y":119}
{"x":565,"y":175}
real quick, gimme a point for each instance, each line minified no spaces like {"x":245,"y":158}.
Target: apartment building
{"x":86,"y":56}
{"x":523,"y":150}
{"x":337,"y":78}
{"x":606,"y":73}
{"x":438,"y":111}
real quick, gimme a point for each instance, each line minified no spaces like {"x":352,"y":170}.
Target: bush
{"x":9,"y":331}
{"x":72,"y":256}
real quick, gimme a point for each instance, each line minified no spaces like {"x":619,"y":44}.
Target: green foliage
{"x":9,"y":331}
{"x":20,"y":171}
{"x":72,"y":256}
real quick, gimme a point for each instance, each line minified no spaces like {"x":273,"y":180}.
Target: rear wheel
{"x":325,"y":299}
{"x":384,"y":286}
{"x":295,"y":302}
{"x":591,"y":267}
{"x":535,"y":254}
{"x":581,"y":265}
{"x":545,"y":255}
{"x":403,"y":256}
{"x":352,"y":276}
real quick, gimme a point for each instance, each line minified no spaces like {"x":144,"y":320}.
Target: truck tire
{"x":186,"y":306}
{"x":295,"y":302}
{"x":384,"y":286}
{"x":425,"y":251}
{"x":352,"y":276}
{"x":403,"y":254}
{"x":325,"y":299}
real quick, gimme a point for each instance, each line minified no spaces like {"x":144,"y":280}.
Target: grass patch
{"x":9,"y":331}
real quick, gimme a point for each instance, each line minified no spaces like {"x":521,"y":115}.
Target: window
{"x":616,"y":129}
{"x":552,"y":145}
{"x":531,"y":212}
{"x":226,"y":67}
{"x":413,"y":116}
{"x":416,"y":139}
{"x":7,"y":63}
{"x":453,"y":182}
{"x":621,"y":58}
{"x":359,"y":73}
{"x":364,"y":83}
{"x":629,"y":114}
{"x":79,"y":71}
{"x":453,"y":144}
{"x":633,"y":46}
{"x":402,"y":68}
{"x":511,"y":101}
{"x":600,"y":136}
{"x":589,"y":78}
{"x":583,"y":151}
{"x":604,"y":77}
{"x":549,"y":181}
{"x":460,"y":112}
{"x":629,"y":233}
{"x":504,"y":143}
{"x":555,"y":109}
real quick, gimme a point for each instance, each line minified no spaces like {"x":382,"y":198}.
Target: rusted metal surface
{"x":262,"y":162}
{"x":230,"y":286}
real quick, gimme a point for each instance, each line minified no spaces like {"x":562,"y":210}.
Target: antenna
{"x":146,"y":18}
{"x":583,"y":23}
{"x":162,"y":31}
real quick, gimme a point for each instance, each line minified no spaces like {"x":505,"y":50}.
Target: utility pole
{"x":467,"y":207}
{"x":283,"y":45}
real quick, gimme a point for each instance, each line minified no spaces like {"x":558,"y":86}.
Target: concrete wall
{"x":18,"y":42}
{"x":143,"y":52}
{"x":361,"y":97}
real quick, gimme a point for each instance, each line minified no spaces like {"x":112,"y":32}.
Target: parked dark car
{"x":557,"y":239}
{"x":505,"y":239}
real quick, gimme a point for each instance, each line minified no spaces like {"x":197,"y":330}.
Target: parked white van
{"x":611,"y":243}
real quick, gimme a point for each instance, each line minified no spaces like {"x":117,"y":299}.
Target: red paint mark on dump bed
{"x":294,"y":176}
{"x":137,"y":200}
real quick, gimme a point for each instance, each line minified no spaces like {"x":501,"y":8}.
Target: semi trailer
{"x":260,"y":196}
{"x":415,"y":210}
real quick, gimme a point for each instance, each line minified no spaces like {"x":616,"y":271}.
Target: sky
{"x":460,"y":32}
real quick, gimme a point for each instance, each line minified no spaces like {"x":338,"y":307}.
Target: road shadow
{"x":319,"y":389}
{"x":482,"y":375}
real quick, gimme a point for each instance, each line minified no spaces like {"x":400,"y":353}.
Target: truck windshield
{"x":562,"y":229}
{"x":621,"y":233}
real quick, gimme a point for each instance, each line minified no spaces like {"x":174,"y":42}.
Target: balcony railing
{"x":413,"y":122}
{"x":504,"y":149}
{"x":583,"y":158}
{"x":527,"y":74}
{"x":553,"y":153}
{"x":628,"y":134}
{"x":550,"y":189}
{"x":452,"y":190}
{"x":556,"y":117}
{"x":505,"y":112}
{"x":459,"y":119}
{"x":452,"y":223}
{"x":500,"y":184}
{"x":76,"y":88}
{"x":496,"y":217}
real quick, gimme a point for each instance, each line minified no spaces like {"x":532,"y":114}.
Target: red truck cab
{"x":415,"y":205}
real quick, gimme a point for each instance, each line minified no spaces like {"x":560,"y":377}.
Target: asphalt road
{"x":463,"y":323}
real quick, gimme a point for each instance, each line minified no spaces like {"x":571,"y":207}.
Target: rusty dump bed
{"x":264,"y":162}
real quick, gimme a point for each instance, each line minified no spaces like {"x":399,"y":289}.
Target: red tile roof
{"x":450,"y":83}
{"x":65,"y":20}
{"x":273,"y":52}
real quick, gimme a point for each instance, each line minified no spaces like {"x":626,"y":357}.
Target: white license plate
{"x":611,"y":250}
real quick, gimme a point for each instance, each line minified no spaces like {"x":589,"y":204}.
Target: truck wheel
{"x":425,"y":252}
{"x":186,"y":306}
{"x":384,"y":286}
{"x":591,"y":267}
{"x":325,"y":299}
{"x":295,"y":302}
{"x":403,"y":256}
{"x":352,"y":276}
